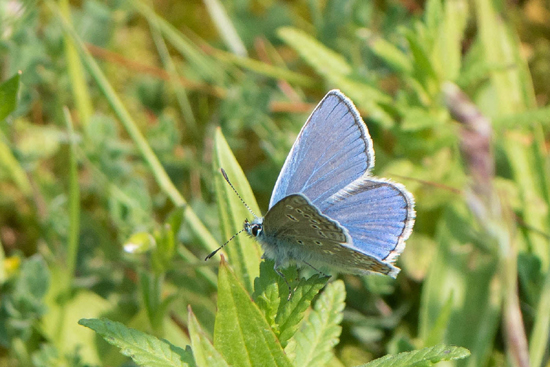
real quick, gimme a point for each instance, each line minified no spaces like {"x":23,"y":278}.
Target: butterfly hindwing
{"x":332,"y":150}
{"x":304,"y":234}
{"x":377,"y":214}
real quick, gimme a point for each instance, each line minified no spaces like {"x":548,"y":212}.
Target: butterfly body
{"x":326,"y":210}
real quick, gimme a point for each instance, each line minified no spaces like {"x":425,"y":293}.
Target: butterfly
{"x":327,"y":211}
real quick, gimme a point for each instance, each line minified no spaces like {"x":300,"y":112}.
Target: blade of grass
{"x":179,"y":90}
{"x":538,"y":346}
{"x":263,"y":68}
{"x":477,"y":291}
{"x":225,"y":27}
{"x":74,"y":201}
{"x":514,"y":95}
{"x":163,"y":180}
{"x":243,"y":251}
{"x":449,"y":41}
{"x":202,"y":63}
{"x":540,"y":334}
{"x":75,"y":70}
{"x":10,"y":165}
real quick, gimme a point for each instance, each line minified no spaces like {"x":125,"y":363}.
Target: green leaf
{"x":8,"y":96}
{"x":432,"y":15}
{"x":420,"y":358}
{"x":241,"y":333}
{"x":144,"y":349}
{"x":243,"y":252}
{"x":324,"y":60}
{"x":437,"y":333}
{"x":21,"y":308}
{"x":291,"y":312}
{"x":312,"y":344}
{"x":204,"y":352}
{"x":392,"y":55}
{"x":270,"y":290}
{"x":448,"y":46}
{"x":523,"y":119}
{"x":271,"y":296}
{"x":425,"y":72}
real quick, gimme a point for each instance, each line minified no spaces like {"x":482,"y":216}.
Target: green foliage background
{"x":112,"y":135}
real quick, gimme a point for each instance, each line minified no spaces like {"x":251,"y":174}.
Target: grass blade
{"x":160,"y":175}
{"x":225,"y":27}
{"x":243,"y":252}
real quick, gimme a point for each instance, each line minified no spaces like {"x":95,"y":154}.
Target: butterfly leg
{"x":284,"y":278}
{"x":317,"y":270}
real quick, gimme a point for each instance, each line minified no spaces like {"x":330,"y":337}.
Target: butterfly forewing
{"x":304,"y":234}
{"x":332,"y":150}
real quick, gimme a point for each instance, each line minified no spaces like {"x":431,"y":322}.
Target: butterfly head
{"x":255,"y":227}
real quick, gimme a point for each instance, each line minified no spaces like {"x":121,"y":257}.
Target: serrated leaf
{"x":291,"y":312}
{"x":241,"y":333}
{"x":420,"y":358}
{"x":144,"y":349}
{"x":425,"y":72}
{"x":243,"y":252}
{"x":312,"y":344}
{"x":8,"y":96}
{"x":270,"y":289}
{"x":204,"y":352}
{"x":271,"y":295}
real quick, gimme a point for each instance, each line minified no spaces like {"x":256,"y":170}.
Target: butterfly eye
{"x":256,"y":229}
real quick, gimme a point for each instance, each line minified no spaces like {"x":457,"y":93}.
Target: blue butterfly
{"x":326,"y":210}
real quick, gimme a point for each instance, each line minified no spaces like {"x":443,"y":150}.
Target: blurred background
{"x":107,"y":196}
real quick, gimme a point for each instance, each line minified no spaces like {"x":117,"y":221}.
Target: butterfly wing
{"x":378,"y":215}
{"x":332,"y":150}
{"x":294,"y":229}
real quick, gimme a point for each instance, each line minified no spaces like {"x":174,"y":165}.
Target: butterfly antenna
{"x":222,"y":246}
{"x":237,"y":193}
